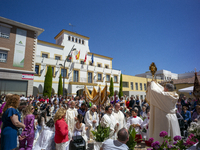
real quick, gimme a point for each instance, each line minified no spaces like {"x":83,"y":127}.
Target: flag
{"x":69,"y":57}
{"x":92,"y":58}
{"x":78,"y":55}
{"x":85,"y":57}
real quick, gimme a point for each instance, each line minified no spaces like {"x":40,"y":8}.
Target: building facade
{"x":160,"y":74}
{"x":18,"y":44}
{"x":89,"y":69}
{"x":134,"y":86}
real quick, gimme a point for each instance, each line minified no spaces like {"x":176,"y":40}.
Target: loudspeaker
{"x":77,"y":143}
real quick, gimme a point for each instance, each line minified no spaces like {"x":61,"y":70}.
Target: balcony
{"x":82,"y":81}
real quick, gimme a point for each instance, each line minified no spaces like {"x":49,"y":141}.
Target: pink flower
{"x":151,"y":140}
{"x":163,"y":133}
{"x":177,"y":138}
{"x":155,"y":145}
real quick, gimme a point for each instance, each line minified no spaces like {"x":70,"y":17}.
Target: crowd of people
{"x":42,"y":123}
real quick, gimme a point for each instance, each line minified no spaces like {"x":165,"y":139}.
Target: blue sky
{"x":133,"y":32}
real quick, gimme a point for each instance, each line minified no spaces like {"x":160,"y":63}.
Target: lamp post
{"x":73,"y":49}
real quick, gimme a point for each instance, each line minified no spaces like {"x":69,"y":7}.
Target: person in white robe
{"x":108,"y":120}
{"x":136,"y":123}
{"x":120,"y":118}
{"x":145,"y":125}
{"x":91,"y":121}
{"x":163,"y":115}
{"x":71,"y":117}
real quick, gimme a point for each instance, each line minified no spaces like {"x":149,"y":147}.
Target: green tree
{"x":120,"y":87}
{"x":60,"y":88}
{"x":111,"y":87}
{"x":48,"y":83}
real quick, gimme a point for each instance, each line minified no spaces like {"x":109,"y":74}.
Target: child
{"x":128,"y":114}
{"x":41,"y":120}
{"x":80,"y":129}
{"x":46,"y":138}
{"x":145,"y":125}
{"x":135,"y":122}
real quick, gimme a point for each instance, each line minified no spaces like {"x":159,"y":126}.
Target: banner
{"x":20,"y":46}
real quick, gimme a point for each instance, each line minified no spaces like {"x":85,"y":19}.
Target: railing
{"x":82,"y":80}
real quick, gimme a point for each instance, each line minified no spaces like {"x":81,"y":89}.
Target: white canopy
{"x":187,"y":89}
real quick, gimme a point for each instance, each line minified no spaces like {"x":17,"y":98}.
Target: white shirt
{"x":133,"y":120}
{"x":114,"y":145}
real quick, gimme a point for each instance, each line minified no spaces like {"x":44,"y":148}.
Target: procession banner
{"x":20,"y":45}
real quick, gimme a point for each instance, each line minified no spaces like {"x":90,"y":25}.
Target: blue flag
{"x":92,"y":58}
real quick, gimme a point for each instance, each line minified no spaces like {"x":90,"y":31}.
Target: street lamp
{"x":68,"y":56}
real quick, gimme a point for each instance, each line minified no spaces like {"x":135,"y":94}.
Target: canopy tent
{"x":187,"y":89}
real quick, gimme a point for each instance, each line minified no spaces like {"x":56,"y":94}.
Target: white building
{"x":77,"y":73}
{"x":187,"y":75}
{"x":160,"y":74}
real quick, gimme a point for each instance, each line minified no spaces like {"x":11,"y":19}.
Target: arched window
{"x":76,"y":40}
{"x":69,"y":38}
{"x":79,"y":40}
{"x":82,"y":41}
{"x":73,"y":39}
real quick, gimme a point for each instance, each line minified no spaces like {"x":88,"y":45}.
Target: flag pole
{"x":99,"y":103}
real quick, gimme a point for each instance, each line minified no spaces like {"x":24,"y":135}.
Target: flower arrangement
{"x":194,"y":129}
{"x":178,"y":143}
{"x":131,"y":142}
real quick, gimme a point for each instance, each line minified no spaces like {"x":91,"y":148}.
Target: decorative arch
{"x":35,"y":91}
{"x":40,"y":88}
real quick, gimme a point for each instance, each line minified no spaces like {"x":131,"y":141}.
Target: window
{"x":82,"y":62}
{"x":79,"y":40}
{"x":141,"y":86}
{"x":125,"y":84}
{"x":108,"y":77}
{"x":76,"y":40}
{"x":131,"y":85}
{"x":37,"y":69}
{"x":3,"y":56}
{"x":98,"y":65}
{"x":52,"y":71}
{"x":82,"y":41}
{"x":136,"y":86}
{"x":44,"y":55}
{"x":89,"y":77}
{"x":57,"y":58}
{"x":106,"y":66}
{"x":69,"y":38}
{"x":99,"y":77}
{"x":76,"y":75}
{"x":73,"y":39}
{"x":64,"y":73}
{"x":4,"y":32}
{"x":115,"y":79}
{"x":145,"y":86}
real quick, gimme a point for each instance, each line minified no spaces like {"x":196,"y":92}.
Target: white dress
{"x":145,"y":125}
{"x":46,"y":139}
{"x":81,"y":131}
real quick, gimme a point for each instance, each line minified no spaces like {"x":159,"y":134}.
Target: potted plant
{"x":131,"y":142}
{"x":100,"y":135}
